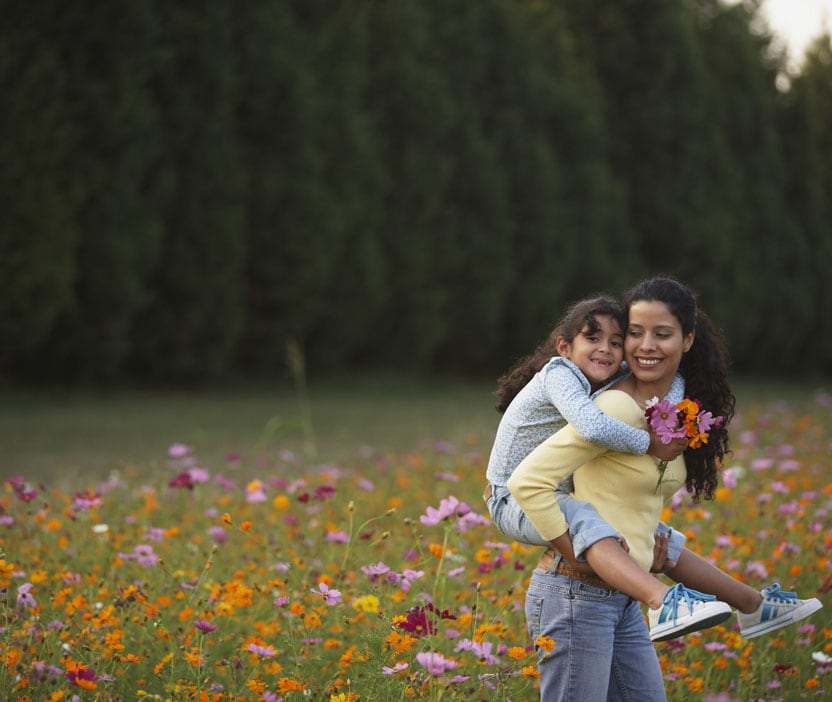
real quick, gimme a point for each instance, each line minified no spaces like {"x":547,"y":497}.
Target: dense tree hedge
{"x":189,"y":189}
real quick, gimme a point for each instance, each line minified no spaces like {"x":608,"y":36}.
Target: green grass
{"x":65,"y":436}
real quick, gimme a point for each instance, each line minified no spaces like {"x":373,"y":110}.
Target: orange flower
{"x":545,"y":643}
{"x":531,"y":671}
{"x":517,"y":653}
{"x":290,"y":685}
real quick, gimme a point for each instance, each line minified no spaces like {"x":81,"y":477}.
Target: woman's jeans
{"x":602,"y":648}
{"x":586,"y":526}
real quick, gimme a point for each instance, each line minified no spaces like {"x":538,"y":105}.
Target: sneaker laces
{"x":773,"y":592}
{"x":690,"y":597}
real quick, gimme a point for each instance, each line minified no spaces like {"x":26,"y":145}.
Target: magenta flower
{"x":22,"y":489}
{"x":182,"y":480}
{"x":205,"y":625}
{"x":339,"y":537}
{"x":331,"y":597}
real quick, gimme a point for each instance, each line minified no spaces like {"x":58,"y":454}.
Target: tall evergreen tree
{"x":353,"y":298}
{"x":109,"y":54}
{"x":38,"y":228}
{"x":292,"y":219}
{"x":808,"y":151}
{"x":762,"y":242}
{"x":195,"y":314}
{"x":413,"y":112}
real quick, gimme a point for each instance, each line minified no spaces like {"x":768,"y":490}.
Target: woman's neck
{"x":642,"y":392}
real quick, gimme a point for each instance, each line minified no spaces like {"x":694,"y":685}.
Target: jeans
{"x":585,"y":524}
{"x":602,"y":646}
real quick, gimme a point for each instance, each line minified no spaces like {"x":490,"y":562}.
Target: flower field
{"x":268,"y":578}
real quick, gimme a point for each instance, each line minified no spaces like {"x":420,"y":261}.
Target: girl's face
{"x":597,"y":354}
{"x":654,"y":343}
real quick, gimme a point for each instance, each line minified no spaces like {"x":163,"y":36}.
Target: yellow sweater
{"x":621,"y":486}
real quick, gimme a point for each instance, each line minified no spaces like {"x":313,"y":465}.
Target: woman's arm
{"x":534,"y":481}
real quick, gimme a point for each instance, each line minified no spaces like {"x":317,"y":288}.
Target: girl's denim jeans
{"x":585,"y":524}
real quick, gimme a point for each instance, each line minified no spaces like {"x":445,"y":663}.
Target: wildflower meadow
{"x":380,"y":578}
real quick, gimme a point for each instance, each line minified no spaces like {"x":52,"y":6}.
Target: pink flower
{"x":435,"y":663}
{"x":86,"y":500}
{"x":331,"y":597}
{"x":340,"y":537}
{"x":179,"y":450}
{"x":205,"y":625}
{"x":386,"y":670}
{"x":24,"y":597}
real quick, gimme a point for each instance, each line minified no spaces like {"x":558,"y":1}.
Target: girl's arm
{"x":568,"y":390}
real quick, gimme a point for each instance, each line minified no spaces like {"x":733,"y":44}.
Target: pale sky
{"x":798,"y":21}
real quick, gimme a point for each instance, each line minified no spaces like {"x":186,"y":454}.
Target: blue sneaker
{"x":778,"y":609}
{"x":684,"y":611}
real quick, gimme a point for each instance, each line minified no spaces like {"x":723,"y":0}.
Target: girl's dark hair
{"x":705,"y":369}
{"x":579,"y":315}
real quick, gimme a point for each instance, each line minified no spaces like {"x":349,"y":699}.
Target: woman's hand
{"x":666,"y":452}
{"x":660,"y":561}
{"x":563,"y":544}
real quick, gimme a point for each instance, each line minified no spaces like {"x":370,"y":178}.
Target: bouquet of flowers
{"x":683,"y":420}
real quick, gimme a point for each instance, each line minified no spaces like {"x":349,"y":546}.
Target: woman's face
{"x":654,"y":343}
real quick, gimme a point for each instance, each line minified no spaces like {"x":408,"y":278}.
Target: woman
{"x":602,"y":647}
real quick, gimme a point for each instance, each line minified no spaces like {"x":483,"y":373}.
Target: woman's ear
{"x":688,"y":342}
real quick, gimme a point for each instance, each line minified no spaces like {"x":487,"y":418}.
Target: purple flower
{"x":204,"y":625}
{"x":339,"y":537}
{"x":262,"y":651}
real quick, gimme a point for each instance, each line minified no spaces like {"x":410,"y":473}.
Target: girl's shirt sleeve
{"x":569,"y":391}
{"x":533,"y":482}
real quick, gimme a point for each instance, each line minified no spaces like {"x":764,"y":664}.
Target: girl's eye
{"x":616,"y":344}
{"x":593,"y":339}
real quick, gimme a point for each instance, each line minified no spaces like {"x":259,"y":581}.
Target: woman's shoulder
{"x":617,"y":403}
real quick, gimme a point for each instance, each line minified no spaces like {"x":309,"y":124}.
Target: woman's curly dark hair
{"x":705,"y":370}
{"x":579,"y":317}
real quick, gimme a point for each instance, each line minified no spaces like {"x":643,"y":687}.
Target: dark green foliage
{"x":190,"y":189}
{"x":195,"y":312}
{"x":39,"y":229}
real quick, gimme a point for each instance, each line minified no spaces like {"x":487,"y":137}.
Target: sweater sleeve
{"x":534,"y":481}
{"x":569,"y":393}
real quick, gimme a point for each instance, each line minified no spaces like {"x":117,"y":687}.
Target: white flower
{"x":820,"y":657}
{"x":652,"y":401}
